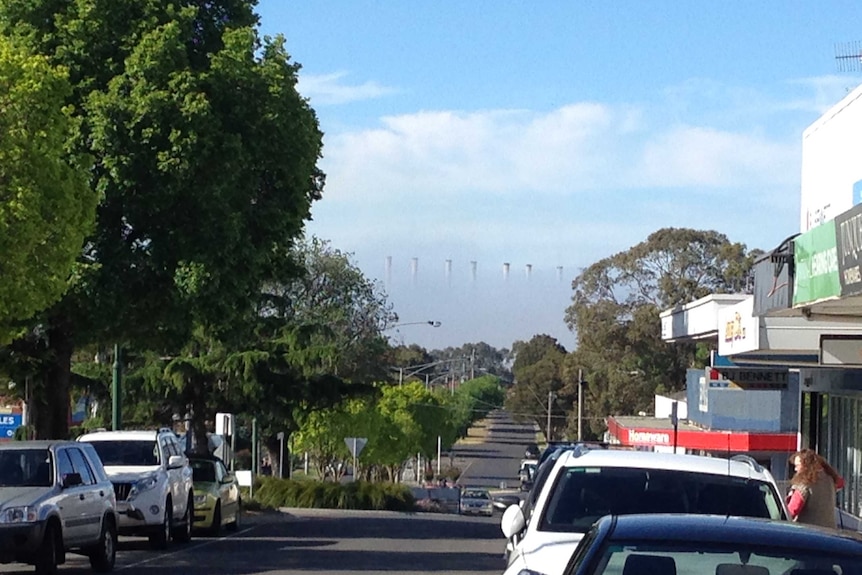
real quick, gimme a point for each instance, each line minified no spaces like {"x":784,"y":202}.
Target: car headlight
{"x":25,"y":514}
{"x":200,"y":499}
{"x":142,"y":485}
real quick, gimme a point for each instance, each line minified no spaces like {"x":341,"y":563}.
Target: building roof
{"x":659,"y":431}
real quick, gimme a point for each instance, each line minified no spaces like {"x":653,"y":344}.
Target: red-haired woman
{"x":812,"y":493}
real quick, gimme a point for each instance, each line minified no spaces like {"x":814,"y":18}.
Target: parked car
{"x":217,"y":496}
{"x":476,"y":501}
{"x":55,"y":497}
{"x":152,"y":480}
{"x":699,"y":544}
{"x":502,"y":501}
{"x":585,"y":484}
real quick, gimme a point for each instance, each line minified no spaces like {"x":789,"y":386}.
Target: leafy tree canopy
{"x":615,"y":313}
{"x":46,"y":204}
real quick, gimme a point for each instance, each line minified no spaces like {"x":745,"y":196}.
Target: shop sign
{"x":642,"y":437}
{"x":738,"y":329}
{"x":754,"y":378}
{"x":848,"y":230}
{"x":816,"y":261}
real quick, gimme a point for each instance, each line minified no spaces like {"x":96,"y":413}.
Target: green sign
{"x":816,"y":259}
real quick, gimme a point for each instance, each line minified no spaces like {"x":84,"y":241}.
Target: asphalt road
{"x":491,"y":454}
{"x":322,"y":541}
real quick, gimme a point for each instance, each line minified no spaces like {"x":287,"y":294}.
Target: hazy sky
{"x":461,"y":136}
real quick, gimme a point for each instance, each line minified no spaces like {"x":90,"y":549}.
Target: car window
{"x":127,"y":452}
{"x":64,"y":464}
{"x":203,"y":470}
{"x":581,"y":495}
{"x":721,"y":559}
{"x":80,"y":465}
{"x":476,"y":494}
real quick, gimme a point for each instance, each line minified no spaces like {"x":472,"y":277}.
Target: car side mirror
{"x":72,"y":480}
{"x":513,"y":521}
{"x":176,"y":461}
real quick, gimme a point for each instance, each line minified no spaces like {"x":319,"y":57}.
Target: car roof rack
{"x":749,"y":460}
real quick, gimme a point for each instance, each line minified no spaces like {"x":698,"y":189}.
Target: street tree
{"x":538,"y":376}
{"x":47,"y":207}
{"x":205,"y":161}
{"x":615,"y":313}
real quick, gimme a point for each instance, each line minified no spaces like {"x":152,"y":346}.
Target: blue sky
{"x":461,"y":136}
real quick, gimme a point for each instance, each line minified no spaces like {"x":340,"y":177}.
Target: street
{"x":325,"y":541}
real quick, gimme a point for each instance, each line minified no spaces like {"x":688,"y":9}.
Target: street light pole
{"x":550,"y":399}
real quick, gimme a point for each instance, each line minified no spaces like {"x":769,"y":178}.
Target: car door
{"x":91,"y":510}
{"x":179,"y":489}
{"x":227,"y":494}
{"x":70,"y":501}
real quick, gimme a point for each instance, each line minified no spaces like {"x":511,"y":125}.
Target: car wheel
{"x":183,"y":533}
{"x":160,"y":539}
{"x":104,"y":554}
{"x":215,"y":527}
{"x":46,"y":556}
{"x":234,"y":525}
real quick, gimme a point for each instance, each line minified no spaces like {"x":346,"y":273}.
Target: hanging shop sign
{"x":848,"y":231}
{"x":816,"y":264}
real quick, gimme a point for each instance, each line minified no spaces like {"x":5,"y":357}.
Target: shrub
{"x":273,"y":492}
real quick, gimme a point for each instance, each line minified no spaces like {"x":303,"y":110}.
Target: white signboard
{"x":738,"y":329}
{"x":831,"y":171}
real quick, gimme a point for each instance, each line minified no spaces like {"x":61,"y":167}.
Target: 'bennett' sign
{"x":753,"y":378}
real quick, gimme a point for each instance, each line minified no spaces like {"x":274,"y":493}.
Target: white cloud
{"x":328,"y":89}
{"x":577,"y":148}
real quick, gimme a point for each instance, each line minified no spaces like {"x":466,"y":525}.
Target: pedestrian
{"x":812,"y":492}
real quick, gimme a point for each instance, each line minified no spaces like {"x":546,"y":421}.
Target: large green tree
{"x":205,"y":159}
{"x":538,"y":370}
{"x":46,"y":204}
{"x":615,"y":312}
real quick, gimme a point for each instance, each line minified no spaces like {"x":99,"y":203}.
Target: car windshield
{"x":26,"y":468}
{"x":202,"y":471}
{"x":476,"y":494}
{"x":127,"y":452}
{"x":583,"y":494}
{"x":721,"y":559}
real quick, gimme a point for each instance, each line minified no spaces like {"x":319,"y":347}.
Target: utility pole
{"x":550,"y":399}
{"x":116,"y":391}
{"x":580,"y":402}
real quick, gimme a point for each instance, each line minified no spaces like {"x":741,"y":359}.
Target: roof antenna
{"x":848,"y":56}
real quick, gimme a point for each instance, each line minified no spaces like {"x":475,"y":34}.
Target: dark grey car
{"x":55,"y":498}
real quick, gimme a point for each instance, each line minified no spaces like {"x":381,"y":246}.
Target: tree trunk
{"x":52,"y":414}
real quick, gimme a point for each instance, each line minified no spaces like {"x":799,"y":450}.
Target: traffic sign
{"x":355,"y":444}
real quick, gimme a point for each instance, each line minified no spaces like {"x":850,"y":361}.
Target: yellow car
{"x":217,"y":498}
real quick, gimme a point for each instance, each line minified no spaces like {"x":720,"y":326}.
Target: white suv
{"x":152,"y":480}
{"x":584,"y":485}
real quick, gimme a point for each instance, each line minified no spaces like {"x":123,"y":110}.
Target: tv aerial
{"x":848,"y":56}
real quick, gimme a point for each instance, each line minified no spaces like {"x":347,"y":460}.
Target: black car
{"x":660,"y":544}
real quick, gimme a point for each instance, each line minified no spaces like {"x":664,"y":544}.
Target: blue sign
{"x":9,"y":422}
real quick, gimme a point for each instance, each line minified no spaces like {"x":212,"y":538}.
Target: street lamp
{"x":432,"y":323}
